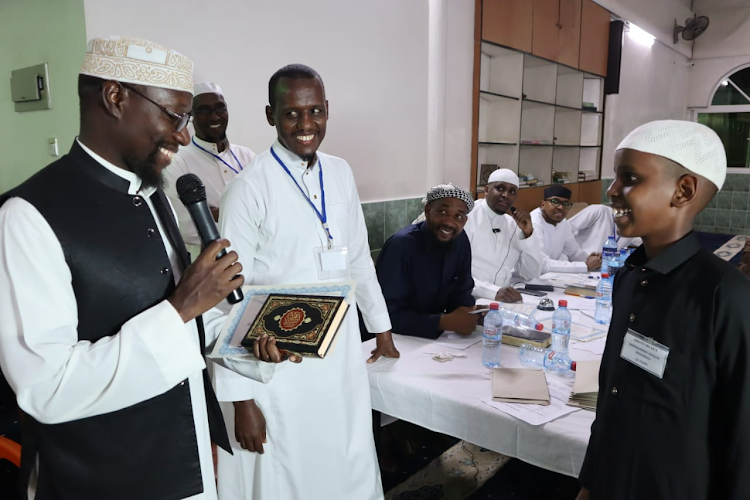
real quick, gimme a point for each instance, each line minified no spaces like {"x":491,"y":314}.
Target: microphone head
{"x":190,"y":189}
{"x":512,"y":209}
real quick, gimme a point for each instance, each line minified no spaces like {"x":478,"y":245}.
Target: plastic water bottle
{"x":608,"y":253}
{"x":617,"y":262}
{"x":561,"y":328}
{"x":513,"y":319}
{"x":548,"y":359}
{"x":492,"y":337}
{"x":603,"y":312}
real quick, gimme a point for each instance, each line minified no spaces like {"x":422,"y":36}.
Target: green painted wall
{"x":34,"y":32}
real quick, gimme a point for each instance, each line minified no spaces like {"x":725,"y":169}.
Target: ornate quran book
{"x":302,"y":324}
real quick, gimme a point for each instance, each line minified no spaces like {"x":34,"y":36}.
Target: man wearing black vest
{"x":101,"y":333}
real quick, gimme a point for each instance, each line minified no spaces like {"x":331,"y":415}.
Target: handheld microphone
{"x":512,"y":210}
{"x":192,"y":193}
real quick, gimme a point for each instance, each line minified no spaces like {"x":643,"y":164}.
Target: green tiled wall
{"x":383,"y":218}
{"x":728,"y":212}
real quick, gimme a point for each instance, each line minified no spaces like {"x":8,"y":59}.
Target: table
{"x":446,"y":398}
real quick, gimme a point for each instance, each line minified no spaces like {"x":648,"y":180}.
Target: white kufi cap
{"x":133,"y":60}
{"x":504,"y":175}
{"x":692,"y":145}
{"x":207,"y":88}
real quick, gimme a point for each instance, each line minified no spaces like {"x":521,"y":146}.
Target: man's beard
{"x":308,"y":158}
{"x":146,"y":170}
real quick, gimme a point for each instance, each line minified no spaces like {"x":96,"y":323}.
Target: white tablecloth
{"x":446,"y":398}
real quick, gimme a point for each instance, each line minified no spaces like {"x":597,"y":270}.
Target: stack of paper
{"x":586,"y":387}
{"x":519,"y":385}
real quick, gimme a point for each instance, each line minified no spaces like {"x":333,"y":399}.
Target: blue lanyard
{"x":322,"y":216}
{"x":220,"y":158}
{"x":614,"y":230}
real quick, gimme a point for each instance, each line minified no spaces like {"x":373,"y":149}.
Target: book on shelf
{"x":302,"y":324}
{"x":589,"y":106}
{"x":526,"y":176}
{"x":485,"y":170}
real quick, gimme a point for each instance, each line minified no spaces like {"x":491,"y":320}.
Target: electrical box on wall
{"x":29,"y":88}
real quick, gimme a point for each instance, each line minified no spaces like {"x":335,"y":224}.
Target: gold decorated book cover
{"x":302,"y":324}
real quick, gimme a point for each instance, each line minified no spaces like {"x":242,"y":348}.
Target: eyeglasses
{"x":182,"y":119}
{"x":220,"y":109}
{"x":557,"y":202}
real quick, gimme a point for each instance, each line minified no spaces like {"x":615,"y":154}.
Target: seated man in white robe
{"x":503,"y":240}
{"x":561,"y":251}
{"x":593,"y":225}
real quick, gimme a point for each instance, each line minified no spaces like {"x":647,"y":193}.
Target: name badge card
{"x":333,"y":263}
{"x":644,"y":352}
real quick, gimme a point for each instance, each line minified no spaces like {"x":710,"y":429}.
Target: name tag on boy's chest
{"x":644,"y":352}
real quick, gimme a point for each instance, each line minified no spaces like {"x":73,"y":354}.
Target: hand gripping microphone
{"x":192,"y":193}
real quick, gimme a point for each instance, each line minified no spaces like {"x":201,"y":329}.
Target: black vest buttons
{"x":164,"y":270}
{"x":137,"y":201}
{"x":150,"y":232}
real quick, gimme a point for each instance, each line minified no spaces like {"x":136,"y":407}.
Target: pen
{"x":582,"y":296}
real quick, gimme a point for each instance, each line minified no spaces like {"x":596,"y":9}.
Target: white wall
{"x":653,"y":86}
{"x":373,"y":57}
{"x":719,"y":51}
{"x":656,"y":17}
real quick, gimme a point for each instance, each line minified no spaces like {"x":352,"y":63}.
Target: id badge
{"x":644,"y":352}
{"x":332,"y":263}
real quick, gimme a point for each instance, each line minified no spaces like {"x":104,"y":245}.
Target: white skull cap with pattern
{"x":449,"y":190}
{"x":692,"y":145}
{"x":504,"y":175}
{"x":207,"y":88}
{"x":138,"y":61}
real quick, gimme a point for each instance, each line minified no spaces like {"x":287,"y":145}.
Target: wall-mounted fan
{"x":692,"y":29}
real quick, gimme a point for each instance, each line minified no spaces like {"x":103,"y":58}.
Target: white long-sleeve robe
{"x":496,"y":255}
{"x":215,"y":176}
{"x":58,"y":378}
{"x":593,"y":225}
{"x":560,"y":250}
{"x":318,"y":413}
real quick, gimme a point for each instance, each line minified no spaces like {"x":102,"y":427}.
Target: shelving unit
{"x":537,"y":116}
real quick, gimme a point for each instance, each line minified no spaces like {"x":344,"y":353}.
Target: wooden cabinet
{"x":590,"y":192}
{"x":594,"y":38}
{"x":546,"y":28}
{"x":508,"y":23}
{"x":569,"y":35}
{"x":557,"y":30}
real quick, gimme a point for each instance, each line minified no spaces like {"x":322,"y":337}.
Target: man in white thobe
{"x":501,"y":243}
{"x":307,"y":433}
{"x":593,"y":225}
{"x":561,"y":251}
{"x":82,"y":353}
{"x":209,"y":155}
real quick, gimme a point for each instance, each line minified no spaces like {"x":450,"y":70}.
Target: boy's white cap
{"x":692,"y":145}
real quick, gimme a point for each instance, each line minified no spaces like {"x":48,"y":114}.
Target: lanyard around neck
{"x":220,"y":158}
{"x":322,"y":216}
{"x":614,"y":230}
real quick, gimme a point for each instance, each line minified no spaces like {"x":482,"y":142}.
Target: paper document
{"x":559,"y":393}
{"x":586,"y":386}
{"x":520,"y":307}
{"x":458,"y":341}
{"x":579,"y":332}
{"x":519,"y":385}
{"x":561,"y":280}
{"x":595,"y":346}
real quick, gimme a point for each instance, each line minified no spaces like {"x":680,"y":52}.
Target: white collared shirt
{"x":214,"y":173}
{"x":560,"y":250}
{"x":498,"y":247}
{"x":58,"y":378}
{"x":593,"y":225}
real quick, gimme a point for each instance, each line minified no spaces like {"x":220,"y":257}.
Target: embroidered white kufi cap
{"x":503,"y":175}
{"x":692,"y":145}
{"x":207,"y":88}
{"x":138,"y":61}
